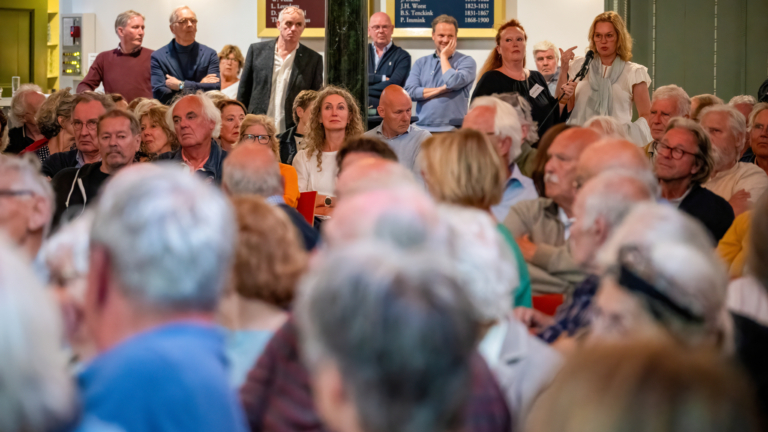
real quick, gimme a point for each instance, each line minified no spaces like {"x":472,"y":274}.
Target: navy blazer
{"x":165,"y":61}
{"x":256,"y":79}
{"x":395,"y":64}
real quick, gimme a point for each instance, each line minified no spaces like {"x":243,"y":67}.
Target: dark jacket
{"x":18,"y":140}
{"x":308,"y":234}
{"x":710,"y":209}
{"x":59,"y":161}
{"x":395,"y":65}
{"x":287,"y":145}
{"x":256,"y":79}
{"x":751,"y":340}
{"x":212,"y":168}
{"x":165,"y":61}
{"x":75,"y":188}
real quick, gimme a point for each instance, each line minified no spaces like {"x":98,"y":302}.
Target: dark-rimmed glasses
{"x":676,"y":152}
{"x":262,"y":139}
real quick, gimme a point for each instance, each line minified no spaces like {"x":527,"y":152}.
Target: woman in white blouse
{"x":613,"y":82}
{"x":334,"y":116}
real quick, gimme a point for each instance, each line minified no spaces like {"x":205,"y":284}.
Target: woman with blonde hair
{"x":504,"y":72}
{"x":231,"y":63}
{"x":232,"y":115}
{"x":54,"y":122}
{"x":334,"y":117}
{"x":260,"y":129}
{"x":613,"y":82}
{"x":156,"y":136}
{"x":463,"y":168}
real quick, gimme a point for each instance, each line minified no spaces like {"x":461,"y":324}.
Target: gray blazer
{"x":256,"y":79}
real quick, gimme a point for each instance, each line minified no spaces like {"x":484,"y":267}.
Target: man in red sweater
{"x":125,"y":70}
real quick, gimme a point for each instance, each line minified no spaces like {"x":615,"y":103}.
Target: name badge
{"x":535,"y":91}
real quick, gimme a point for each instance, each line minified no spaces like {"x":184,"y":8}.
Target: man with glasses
{"x":124,"y":70}
{"x":387,"y":63}
{"x":184,"y":65}
{"x":26,"y":206}
{"x":683,"y":162}
{"x":196,"y":120}
{"x":88,"y":107}
{"x":271,"y":90}
{"x":119,"y":136}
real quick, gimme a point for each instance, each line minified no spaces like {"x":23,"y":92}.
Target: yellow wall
{"x":40,"y":48}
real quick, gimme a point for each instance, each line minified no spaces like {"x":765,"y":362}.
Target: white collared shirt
{"x":281,"y":73}
{"x":567,"y":222}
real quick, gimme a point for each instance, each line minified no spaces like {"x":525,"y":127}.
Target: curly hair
{"x":493,"y":61}
{"x":157,"y":115}
{"x":269,"y":125}
{"x":269,"y":257}
{"x":59,"y":104}
{"x":316,"y":134}
{"x":623,"y":38}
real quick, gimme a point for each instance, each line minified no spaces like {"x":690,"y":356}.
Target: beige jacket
{"x":552,"y":268}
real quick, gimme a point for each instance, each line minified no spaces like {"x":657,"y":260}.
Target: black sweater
{"x":395,"y":65}
{"x":710,"y":209}
{"x":70,"y":197}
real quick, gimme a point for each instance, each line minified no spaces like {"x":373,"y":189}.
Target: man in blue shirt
{"x":440,"y":82}
{"x":161,"y":249}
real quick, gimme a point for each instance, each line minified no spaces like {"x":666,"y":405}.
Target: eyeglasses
{"x":608,"y":37}
{"x":229,"y":60}
{"x":676,"y":152}
{"x":262,"y":139}
{"x":191,"y":21}
{"x":15,"y":193}
{"x":90,"y":124}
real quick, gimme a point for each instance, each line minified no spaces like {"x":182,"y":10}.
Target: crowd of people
{"x":523,"y":256}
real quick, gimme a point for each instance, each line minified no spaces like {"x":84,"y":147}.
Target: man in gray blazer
{"x":271,"y":90}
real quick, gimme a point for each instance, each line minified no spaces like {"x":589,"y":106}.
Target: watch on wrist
{"x":328,"y":201}
{"x":181,"y":86}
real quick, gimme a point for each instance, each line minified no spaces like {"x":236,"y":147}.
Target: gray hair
{"x":611,"y":195}
{"x":546,"y":46}
{"x":505,"y":123}
{"x":483,"y":261}
{"x":756,"y":110}
{"x":398,"y":327}
{"x":682,"y":100}
{"x":89,"y":96}
{"x":681,"y":264}
{"x":59,"y":104}
{"x":143,"y":107}
{"x":169,"y":236}
{"x":174,"y":15}
{"x":523,"y":110}
{"x":123,"y":18}
{"x":28,"y":177}
{"x":209,"y":111}
{"x":609,"y":125}
{"x":293,"y":9}
{"x":737,"y":124}
{"x":704,"y":155}
{"x":73,"y":239}
{"x":740,"y":99}
{"x":265,"y":182}
{"x":37,"y":393}
{"x":19,"y":100}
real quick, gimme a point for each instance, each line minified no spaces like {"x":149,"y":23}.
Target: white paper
{"x":535,"y":91}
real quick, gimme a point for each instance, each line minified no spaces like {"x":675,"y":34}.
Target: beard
{"x":721,"y":158}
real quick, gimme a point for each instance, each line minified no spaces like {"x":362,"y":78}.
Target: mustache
{"x":551,"y":178}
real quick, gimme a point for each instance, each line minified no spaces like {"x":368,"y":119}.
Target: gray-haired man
{"x":126,"y":69}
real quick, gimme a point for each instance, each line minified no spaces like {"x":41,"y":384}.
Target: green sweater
{"x":523,"y":291}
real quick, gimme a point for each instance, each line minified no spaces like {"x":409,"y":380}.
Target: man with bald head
{"x":387,"y":63}
{"x":608,"y":154}
{"x":396,"y":129}
{"x":542,"y":226}
{"x":252,"y":169}
{"x":372,"y":173}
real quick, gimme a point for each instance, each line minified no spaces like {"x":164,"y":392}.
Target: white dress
{"x":231,"y":91}
{"x":633,"y":73}
{"x":310,"y":179}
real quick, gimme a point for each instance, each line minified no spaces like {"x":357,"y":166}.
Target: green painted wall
{"x":39,"y":10}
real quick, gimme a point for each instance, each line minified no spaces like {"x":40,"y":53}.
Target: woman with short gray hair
{"x":55,"y":123}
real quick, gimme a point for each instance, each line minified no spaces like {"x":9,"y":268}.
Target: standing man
{"x":548,"y":63}
{"x":126,"y":69}
{"x":271,"y":90}
{"x":396,"y":129}
{"x":440,"y":82}
{"x":196,"y":120}
{"x":387,"y":63}
{"x":184,"y":65}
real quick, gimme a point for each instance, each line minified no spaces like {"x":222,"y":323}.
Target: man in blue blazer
{"x":387,"y":63}
{"x":184,"y":65}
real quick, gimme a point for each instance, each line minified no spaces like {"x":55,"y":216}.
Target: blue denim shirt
{"x":435,"y":114}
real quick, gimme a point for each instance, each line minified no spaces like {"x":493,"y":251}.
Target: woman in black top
{"x":505,"y":72}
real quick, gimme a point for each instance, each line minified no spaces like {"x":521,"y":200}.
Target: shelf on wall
{"x":52,"y":44}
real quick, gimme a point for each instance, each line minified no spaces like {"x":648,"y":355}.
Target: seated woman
{"x":463,"y":168}
{"x":53,"y":120}
{"x":232,"y":115}
{"x":156,"y":137}
{"x":613,"y":82}
{"x":231,"y":63}
{"x":334,"y":117}
{"x":260,"y":129}
{"x":269,"y":260}
{"x":504,"y":72}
